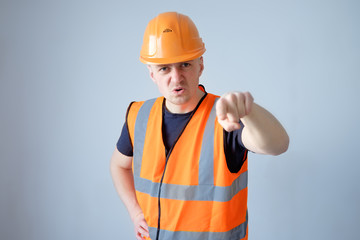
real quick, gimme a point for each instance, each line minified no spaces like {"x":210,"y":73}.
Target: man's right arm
{"x":122,"y":175}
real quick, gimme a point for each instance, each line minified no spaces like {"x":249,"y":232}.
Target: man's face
{"x":178,"y":82}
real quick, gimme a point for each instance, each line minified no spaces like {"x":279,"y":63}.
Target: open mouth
{"x":179,"y":90}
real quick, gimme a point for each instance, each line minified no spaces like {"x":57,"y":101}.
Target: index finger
{"x":221,"y":109}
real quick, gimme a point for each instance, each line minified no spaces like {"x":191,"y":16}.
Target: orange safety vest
{"x":190,"y":193}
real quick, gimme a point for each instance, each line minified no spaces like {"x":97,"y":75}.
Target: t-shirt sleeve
{"x":235,"y":151}
{"x":124,"y":144}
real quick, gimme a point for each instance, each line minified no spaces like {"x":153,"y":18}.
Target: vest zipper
{"x":168,"y":156}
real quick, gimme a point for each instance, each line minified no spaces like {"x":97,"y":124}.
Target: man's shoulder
{"x":139,"y":103}
{"x":135,"y":106}
{"x":142,"y":101}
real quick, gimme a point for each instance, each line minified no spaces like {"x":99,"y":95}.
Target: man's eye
{"x":163,"y":69}
{"x":186,"y":64}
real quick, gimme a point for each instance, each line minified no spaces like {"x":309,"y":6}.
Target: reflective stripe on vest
{"x":238,"y":231}
{"x":204,"y":191}
{"x":140,"y":131}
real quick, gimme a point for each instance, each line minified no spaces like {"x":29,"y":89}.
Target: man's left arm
{"x":262,"y":132}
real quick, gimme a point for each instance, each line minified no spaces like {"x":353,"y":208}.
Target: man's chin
{"x":178,"y":100}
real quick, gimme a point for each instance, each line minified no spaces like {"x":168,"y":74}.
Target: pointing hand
{"x":231,"y":107}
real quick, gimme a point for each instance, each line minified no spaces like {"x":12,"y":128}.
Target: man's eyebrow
{"x":160,"y":65}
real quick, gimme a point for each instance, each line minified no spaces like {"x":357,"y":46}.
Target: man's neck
{"x":185,"y":108}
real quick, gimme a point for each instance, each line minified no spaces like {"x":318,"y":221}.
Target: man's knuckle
{"x":233,"y":96}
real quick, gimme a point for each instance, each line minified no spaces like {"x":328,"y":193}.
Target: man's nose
{"x":176,"y":75}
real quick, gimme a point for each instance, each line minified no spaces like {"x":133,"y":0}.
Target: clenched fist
{"x":231,"y":107}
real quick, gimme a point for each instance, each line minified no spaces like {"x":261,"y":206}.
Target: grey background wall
{"x":68,"y":70}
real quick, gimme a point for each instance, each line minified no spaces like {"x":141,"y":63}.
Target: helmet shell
{"x":169,"y":38}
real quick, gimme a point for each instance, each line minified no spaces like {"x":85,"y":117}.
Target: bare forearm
{"x":124,"y":185}
{"x":263,"y":133}
{"x":122,"y":175}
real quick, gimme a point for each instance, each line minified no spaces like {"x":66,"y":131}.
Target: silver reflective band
{"x":192,"y":192}
{"x":206,"y":161}
{"x":236,"y":233}
{"x":140,"y":131}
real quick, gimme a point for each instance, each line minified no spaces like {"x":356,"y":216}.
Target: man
{"x":180,"y":166}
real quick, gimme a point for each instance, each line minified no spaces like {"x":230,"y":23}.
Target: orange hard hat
{"x":169,"y":38}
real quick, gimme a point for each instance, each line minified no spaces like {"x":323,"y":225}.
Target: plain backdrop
{"x":69,"y":69}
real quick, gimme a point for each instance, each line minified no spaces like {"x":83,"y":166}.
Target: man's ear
{"x":151,"y":73}
{"x":201,"y":62}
